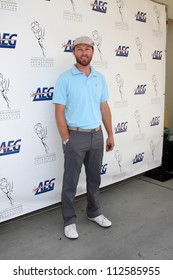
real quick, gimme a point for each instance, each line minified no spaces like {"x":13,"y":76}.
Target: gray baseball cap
{"x":83,"y":40}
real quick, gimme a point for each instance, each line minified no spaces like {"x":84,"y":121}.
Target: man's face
{"x":83,"y":54}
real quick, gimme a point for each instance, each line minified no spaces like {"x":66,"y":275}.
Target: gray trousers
{"x":83,"y":148}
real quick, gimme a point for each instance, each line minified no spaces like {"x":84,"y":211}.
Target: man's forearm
{"x":61,"y":121}
{"x":107,"y":119}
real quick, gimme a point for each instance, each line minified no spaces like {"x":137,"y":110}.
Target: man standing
{"x":81,"y":106}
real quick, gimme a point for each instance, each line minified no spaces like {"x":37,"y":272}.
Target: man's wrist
{"x":65,"y":141}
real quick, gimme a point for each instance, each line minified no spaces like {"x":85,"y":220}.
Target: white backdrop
{"x":35,"y":47}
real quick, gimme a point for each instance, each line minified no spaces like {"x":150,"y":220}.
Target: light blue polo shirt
{"x":81,"y":96}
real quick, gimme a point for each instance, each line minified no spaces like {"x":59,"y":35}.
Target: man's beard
{"x":84,"y":62}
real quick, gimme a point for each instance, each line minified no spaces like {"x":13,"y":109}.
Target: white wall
{"x":169,"y":76}
{"x":169,"y":3}
{"x":169,"y":64}
{"x":36,"y":46}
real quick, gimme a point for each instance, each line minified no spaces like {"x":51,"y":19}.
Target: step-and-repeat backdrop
{"x":36,"y":40}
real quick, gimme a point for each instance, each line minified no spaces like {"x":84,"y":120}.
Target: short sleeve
{"x":60,"y":91}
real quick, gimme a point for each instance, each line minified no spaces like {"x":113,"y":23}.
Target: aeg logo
{"x":99,"y":6}
{"x":8,"y":40}
{"x":141,"y":16}
{"x":138,"y":158}
{"x":46,"y":186}
{"x":155,"y":121}
{"x":103,"y":169}
{"x":11,"y":147}
{"x":141,"y":89}
{"x":121,"y":127}
{"x":43,"y":94}
{"x":157,"y":55}
{"x":69,"y":46}
{"x":122,"y":51}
